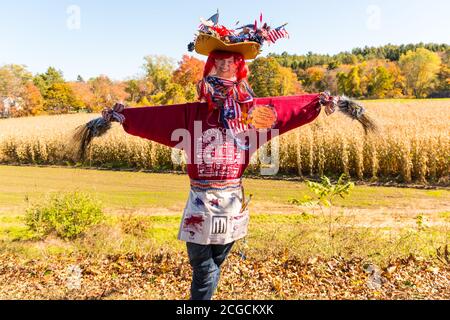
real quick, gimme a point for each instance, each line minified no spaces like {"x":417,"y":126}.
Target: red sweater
{"x":158,"y":124}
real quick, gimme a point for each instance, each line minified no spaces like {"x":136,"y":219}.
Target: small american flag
{"x":236,"y":125}
{"x":214,"y":20}
{"x":277,"y":34}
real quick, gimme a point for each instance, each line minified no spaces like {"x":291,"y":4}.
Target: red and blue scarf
{"x":230,"y":96}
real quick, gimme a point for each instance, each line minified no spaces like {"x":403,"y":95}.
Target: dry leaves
{"x":167,"y":275}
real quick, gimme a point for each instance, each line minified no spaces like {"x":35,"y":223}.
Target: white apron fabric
{"x":213,"y":213}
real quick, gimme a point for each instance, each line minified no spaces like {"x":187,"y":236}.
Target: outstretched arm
{"x":296,"y":111}
{"x":287,"y":113}
{"x":158,"y":123}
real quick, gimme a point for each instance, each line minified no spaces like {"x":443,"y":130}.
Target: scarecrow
{"x":219,"y":134}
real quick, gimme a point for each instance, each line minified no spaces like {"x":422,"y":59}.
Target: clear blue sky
{"x":115,"y":35}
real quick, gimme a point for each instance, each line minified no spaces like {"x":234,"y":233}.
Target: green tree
{"x":420,"y":69}
{"x":45,"y":80}
{"x":350,"y":83}
{"x":381,"y":84}
{"x":158,"y":70}
{"x":269,"y":78}
{"x":174,"y":94}
{"x":190,"y":92}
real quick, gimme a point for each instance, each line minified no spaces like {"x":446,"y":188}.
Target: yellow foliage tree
{"x":420,"y":69}
{"x":269,"y":78}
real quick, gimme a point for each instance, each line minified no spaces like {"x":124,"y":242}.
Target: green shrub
{"x":67,"y":215}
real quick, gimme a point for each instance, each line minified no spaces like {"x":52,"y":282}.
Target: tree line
{"x":383,"y":72}
{"x":413,"y":70}
{"x":162,"y":82}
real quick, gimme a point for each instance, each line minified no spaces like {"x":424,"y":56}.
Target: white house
{"x":8,"y":104}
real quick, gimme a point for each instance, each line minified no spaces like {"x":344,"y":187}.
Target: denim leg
{"x":205,"y":271}
{"x":220,"y":253}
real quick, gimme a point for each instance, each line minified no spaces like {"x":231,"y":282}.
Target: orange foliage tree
{"x":190,"y":71}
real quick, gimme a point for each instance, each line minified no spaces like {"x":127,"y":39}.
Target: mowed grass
{"x":379,"y":222}
{"x":127,"y":190}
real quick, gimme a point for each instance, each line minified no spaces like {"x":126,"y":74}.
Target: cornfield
{"x":414,"y":145}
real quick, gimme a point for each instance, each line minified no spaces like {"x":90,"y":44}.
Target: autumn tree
{"x":381,"y":83}
{"x":83,"y":93}
{"x":158,"y":71}
{"x":12,"y":80}
{"x":106,"y":92}
{"x":189,"y":71}
{"x":289,"y":84}
{"x":269,"y":78}
{"x":188,"y":74}
{"x":443,"y":86}
{"x":162,"y":90}
{"x":420,"y":69}
{"x":15,"y":83}
{"x":61,"y":99}
{"x":138,"y":90}
{"x":350,"y":83}
{"x":442,"y":89}
{"x":314,"y":79}
{"x":33,"y":100}
{"x":45,"y":80}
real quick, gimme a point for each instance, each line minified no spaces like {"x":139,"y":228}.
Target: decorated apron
{"x":216,"y":213}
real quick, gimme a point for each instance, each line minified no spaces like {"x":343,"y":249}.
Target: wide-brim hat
{"x":205,"y":44}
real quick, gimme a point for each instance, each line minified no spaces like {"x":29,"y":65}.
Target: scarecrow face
{"x":226,"y":67}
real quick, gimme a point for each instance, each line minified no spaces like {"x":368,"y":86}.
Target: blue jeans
{"x":206,"y":261}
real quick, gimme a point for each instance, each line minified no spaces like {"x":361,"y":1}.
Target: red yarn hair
{"x":239,"y":61}
{"x":241,"y":70}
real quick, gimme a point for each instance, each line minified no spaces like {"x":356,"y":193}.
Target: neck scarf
{"x":233,"y":99}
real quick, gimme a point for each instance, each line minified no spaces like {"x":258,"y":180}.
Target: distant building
{"x":8,"y":106}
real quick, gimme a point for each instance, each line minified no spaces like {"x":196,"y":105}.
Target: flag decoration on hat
{"x":246,"y":39}
{"x":278,"y":33}
{"x":206,"y":24}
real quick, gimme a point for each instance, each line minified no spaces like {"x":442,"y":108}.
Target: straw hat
{"x":205,"y":44}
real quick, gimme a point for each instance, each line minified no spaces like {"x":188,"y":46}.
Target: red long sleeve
{"x":293,"y":111}
{"x":158,"y":123}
